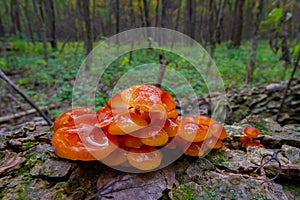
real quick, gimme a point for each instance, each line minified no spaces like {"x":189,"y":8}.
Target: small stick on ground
{"x":287,"y":87}
{"x":163,"y":64}
{"x":9,"y":82}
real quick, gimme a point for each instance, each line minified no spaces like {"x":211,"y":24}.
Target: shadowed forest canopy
{"x":65,"y":20}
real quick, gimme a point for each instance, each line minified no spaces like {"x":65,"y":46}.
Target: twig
{"x":271,"y":157}
{"x":288,"y":86}
{"x":15,"y":100}
{"x":9,"y":82}
{"x":21,"y":114}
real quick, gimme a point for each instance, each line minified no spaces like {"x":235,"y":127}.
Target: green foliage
{"x":275,"y":18}
{"x":50,"y":83}
{"x":296,"y":51}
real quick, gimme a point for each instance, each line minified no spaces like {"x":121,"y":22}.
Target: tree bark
{"x":88,"y":28}
{"x":8,"y":15}
{"x":238,"y":24}
{"x":49,"y":8}
{"x":28,"y":22}
{"x":117,"y":20}
{"x":157,"y":13}
{"x":191,"y":18}
{"x":12,"y":29}
{"x":117,"y":16}
{"x":252,"y":57}
{"x":131,"y":12}
{"x":163,"y":13}
{"x":178,"y":16}
{"x":39,"y":13}
{"x":18,"y":18}
{"x":141,"y":13}
{"x":219,"y":22}
{"x":94,"y":35}
{"x":146,"y":11}
{"x":211,"y":28}
{"x":2,"y":32}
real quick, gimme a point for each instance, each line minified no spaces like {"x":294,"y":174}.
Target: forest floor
{"x":51,"y":85}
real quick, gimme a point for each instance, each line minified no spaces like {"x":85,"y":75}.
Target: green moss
{"x":59,"y":195}
{"x":27,"y":166}
{"x":24,"y":168}
{"x":293,"y":190}
{"x":259,"y":198}
{"x":20,"y":191}
{"x":2,"y":193}
{"x":183,"y":192}
{"x":217,"y":157}
{"x":28,"y":145}
{"x":21,"y":197}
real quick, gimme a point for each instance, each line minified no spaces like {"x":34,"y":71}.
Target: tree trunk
{"x":141,"y":13}
{"x":117,"y":16}
{"x":238,"y":24}
{"x":28,"y":22}
{"x":131,"y":12}
{"x":157,"y":13}
{"x":191,"y":22}
{"x":146,"y":11}
{"x":39,"y":13}
{"x":219,"y":22}
{"x":87,"y":20}
{"x":117,"y":10}
{"x":252,"y":57}
{"x":18,"y":18}
{"x":163,"y":13}
{"x":178,"y":16}
{"x":211,"y":28}
{"x":230,"y":20}
{"x":49,"y":8}
{"x":8,"y":15}
{"x":132,"y":24}
{"x":93,"y":21}
{"x":2,"y":32}
{"x":12,"y":29}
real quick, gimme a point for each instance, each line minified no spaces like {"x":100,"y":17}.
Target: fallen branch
{"x":288,"y":86}
{"x":21,"y":114}
{"x":26,"y":98}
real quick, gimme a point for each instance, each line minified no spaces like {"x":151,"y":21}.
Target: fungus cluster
{"x":132,"y":128}
{"x":248,"y":140}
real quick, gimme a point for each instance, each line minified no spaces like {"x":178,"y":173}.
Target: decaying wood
{"x":10,"y":163}
{"x":9,"y":82}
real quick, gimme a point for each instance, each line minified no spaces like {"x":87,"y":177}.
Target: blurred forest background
{"x":43,"y":43}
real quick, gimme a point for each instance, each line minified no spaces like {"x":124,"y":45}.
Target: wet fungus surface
{"x":132,"y":129}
